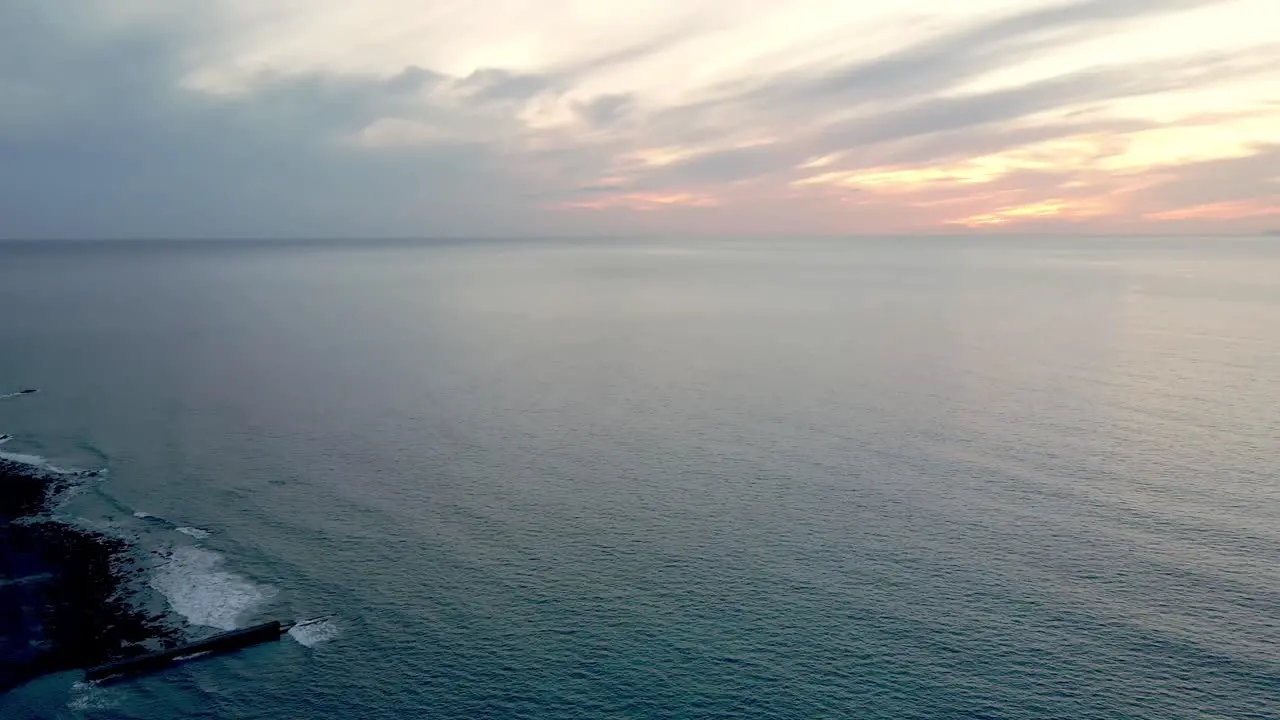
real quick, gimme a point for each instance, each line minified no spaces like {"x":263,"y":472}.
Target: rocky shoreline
{"x":61,"y":604}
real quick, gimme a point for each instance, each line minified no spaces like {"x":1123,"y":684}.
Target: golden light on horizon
{"x":640,"y":201}
{"x":1055,"y":208}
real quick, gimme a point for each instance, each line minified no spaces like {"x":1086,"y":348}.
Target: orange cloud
{"x":899,"y":179}
{"x":1056,"y":208}
{"x":1235,"y":210}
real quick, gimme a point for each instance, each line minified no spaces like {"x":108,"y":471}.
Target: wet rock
{"x":61,"y":604}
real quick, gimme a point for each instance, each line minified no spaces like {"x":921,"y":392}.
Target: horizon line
{"x":655,"y":237}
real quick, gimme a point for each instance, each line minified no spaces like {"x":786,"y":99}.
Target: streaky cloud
{"x":103,"y":132}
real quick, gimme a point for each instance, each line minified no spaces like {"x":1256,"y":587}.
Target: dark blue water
{"x":935,"y":478}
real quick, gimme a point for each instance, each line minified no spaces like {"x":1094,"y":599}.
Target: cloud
{"x":209,"y":119}
{"x":926,"y":67}
{"x":1062,"y":93}
{"x":1252,"y":177}
{"x":971,"y":123}
{"x":497,"y":84}
{"x":116,"y":147}
{"x":604,"y":111}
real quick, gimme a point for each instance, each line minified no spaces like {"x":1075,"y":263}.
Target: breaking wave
{"x":41,"y":464}
{"x":195,"y":585}
{"x":312,"y":634}
{"x":90,"y":697}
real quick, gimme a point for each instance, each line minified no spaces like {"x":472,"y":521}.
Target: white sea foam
{"x":34,"y":461}
{"x":197,"y":588}
{"x":142,"y":515}
{"x":59,"y":493}
{"x":92,"y":697}
{"x":194,"y":532}
{"x":42,"y":463}
{"x":312,"y":634}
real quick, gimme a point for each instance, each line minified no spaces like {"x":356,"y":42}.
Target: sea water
{"x":790,"y":478}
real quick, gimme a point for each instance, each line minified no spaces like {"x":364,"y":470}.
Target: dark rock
{"x":60,"y":599}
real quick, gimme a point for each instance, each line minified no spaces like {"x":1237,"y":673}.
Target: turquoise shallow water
{"x":937,"y":478}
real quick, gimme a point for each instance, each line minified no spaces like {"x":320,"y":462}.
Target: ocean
{"x":978,"y":477}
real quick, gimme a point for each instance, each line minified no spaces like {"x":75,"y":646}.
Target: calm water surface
{"x":936,"y":478}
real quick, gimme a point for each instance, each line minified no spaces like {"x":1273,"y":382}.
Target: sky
{"x":328,"y":118}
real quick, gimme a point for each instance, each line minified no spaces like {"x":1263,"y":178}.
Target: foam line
{"x":42,"y":463}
